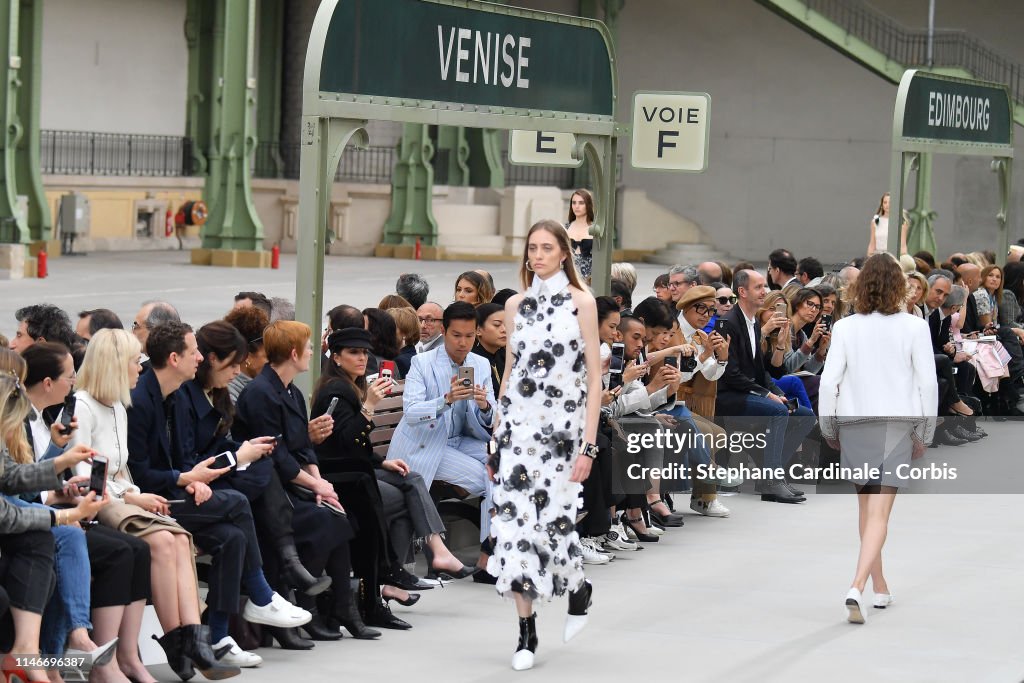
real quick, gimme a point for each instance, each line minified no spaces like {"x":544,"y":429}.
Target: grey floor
{"x":756,"y":597}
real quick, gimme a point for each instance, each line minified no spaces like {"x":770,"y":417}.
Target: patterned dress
{"x":537,"y":551}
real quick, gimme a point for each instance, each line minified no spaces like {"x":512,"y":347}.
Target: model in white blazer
{"x":422,"y":437}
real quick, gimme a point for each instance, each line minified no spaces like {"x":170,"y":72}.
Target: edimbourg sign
{"x":953,"y":110}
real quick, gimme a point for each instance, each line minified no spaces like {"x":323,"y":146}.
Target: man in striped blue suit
{"x":446,"y":424}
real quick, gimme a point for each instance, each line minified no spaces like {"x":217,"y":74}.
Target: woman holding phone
{"x":545,"y":436}
{"x":109,"y":372}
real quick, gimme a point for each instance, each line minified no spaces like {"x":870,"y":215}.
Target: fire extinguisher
{"x":41,"y":264}
{"x":275,"y":257}
{"x":419,"y":249}
{"x":169,"y":222}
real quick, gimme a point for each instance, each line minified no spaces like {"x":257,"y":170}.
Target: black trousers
{"x":26,"y":569}
{"x":222,"y":527}
{"x":120,"y":567}
{"x":272,"y":510}
{"x":372,"y":554}
{"x":597,"y":492}
{"x":948,"y":394}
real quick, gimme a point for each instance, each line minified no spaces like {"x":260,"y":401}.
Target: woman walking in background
{"x":581,"y":217}
{"x":878,"y":409}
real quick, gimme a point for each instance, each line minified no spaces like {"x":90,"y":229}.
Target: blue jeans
{"x":68,"y":608}
{"x":793,"y":387}
{"x":783,"y":432}
{"x":699,"y":453}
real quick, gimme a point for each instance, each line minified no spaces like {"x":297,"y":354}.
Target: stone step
{"x":476,"y":244}
{"x":686,"y":254}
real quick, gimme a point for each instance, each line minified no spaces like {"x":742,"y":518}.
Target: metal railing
{"x":114,"y":154}
{"x":560,"y":177}
{"x":281,"y":160}
{"x":909,"y":47}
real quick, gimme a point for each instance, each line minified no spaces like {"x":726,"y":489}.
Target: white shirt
{"x":750,"y":332}
{"x":40,"y":433}
{"x":711,"y":369}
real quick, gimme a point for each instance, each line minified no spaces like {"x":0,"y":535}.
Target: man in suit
{"x":747,"y":389}
{"x":219,"y":520}
{"x":446,"y":423}
{"x":429,"y":315}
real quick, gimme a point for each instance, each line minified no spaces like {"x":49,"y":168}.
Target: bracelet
{"x":53,"y":517}
{"x":590,"y":450}
{"x":780,"y":348}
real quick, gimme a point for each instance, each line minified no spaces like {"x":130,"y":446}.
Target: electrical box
{"x":74,"y":214}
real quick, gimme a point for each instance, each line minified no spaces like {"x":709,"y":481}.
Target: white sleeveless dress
{"x":537,"y":551}
{"x":881,"y":233}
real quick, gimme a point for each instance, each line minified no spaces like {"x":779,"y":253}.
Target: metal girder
{"x":222,"y":101}
{"x":412,"y":189}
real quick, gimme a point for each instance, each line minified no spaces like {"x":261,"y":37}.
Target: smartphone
{"x":792,"y":404}
{"x":331,"y":507}
{"x":782,"y":307}
{"x":466,"y":375}
{"x":387,"y":369}
{"x":672,"y":361}
{"x":332,"y":406}
{"x":222,"y":460}
{"x":826,"y":318}
{"x":615,"y":367}
{"x":67,"y":413}
{"x":98,"y":476}
{"x":720,"y":326}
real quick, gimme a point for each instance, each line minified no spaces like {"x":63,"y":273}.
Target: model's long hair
{"x":562,"y":237}
{"x":881,"y":206}
{"x":881,"y":286}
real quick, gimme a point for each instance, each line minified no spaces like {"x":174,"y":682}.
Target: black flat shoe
{"x":481,"y":576}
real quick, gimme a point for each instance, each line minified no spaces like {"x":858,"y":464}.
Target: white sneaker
{"x":278,"y":612}
{"x":616,"y":539}
{"x":229,"y":653}
{"x":592,"y":554}
{"x":712,"y":509}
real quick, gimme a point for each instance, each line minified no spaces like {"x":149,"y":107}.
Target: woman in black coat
{"x":407,"y":504}
{"x":272,"y":404}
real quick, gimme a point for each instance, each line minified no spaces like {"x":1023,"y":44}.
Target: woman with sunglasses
{"x":722,"y":303}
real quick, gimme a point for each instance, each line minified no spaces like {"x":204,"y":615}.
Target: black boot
{"x":379,"y":614}
{"x":287,"y":638}
{"x":348,"y":615}
{"x":195,"y":644}
{"x":295,"y":574}
{"x":316,"y":628}
{"x":527,"y":646}
{"x":579,"y":603}
{"x":176,"y":659}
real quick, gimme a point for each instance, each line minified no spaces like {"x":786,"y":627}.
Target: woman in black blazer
{"x":272,"y":404}
{"x":407,"y":505}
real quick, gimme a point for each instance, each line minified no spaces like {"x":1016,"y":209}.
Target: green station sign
{"x":946,"y":109}
{"x":410,"y":51}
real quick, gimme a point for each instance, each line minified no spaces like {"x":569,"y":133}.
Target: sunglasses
{"x":702,"y":309}
{"x":727,"y":299}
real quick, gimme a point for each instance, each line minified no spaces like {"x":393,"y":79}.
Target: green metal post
{"x":222,"y":99}
{"x":1003,"y":168}
{"x":600,"y":153}
{"x":922,"y":218}
{"x":412,"y":190}
{"x":13,"y":225}
{"x":452,"y":152}
{"x":27,"y":166}
{"x":270,"y":57}
{"x":486,"y":168}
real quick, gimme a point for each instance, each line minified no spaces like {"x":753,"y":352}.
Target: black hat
{"x":349,"y":338}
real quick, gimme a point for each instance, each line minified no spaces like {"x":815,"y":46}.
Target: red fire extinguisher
{"x":41,"y":264}
{"x":275,"y":257}
{"x":169,"y":222}
{"x":419,"y":249}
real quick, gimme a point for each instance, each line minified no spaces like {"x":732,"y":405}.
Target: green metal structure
{"x":21,"y":30}
{"x":221,"y":38}
{"x":424,"y":74}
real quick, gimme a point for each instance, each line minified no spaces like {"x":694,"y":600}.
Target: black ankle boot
{"x":579,"y":603}
{"x":349,"y":615}
{"x":195,"y":644}
{"x":295,"y":574}
{"x":379,"y":614}
{"x":176,"y":659}
{"x":287,"y":638}
{"x":316,"y":628}
{"x":528,"y":633}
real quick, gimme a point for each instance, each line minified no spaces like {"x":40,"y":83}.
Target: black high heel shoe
{"x":408,"y":602}
{"x":669,"y":520}
{"x":287,"y":638}
{"x":635,"y":525}
{"x":434,"y":573}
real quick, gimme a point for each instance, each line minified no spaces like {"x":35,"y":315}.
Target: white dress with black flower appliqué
{"x":537,"y":551}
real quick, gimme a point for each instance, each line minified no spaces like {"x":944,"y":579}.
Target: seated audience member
{"x":487,"y":276}
{"x":922,"y":267}
{"x":408,"y":335}
{"x":91,"y":322}
{"x":917,"y":292}
{"x":747,"y":389}
{"x":41,"y":322}
{"x":384,"y":334}
{"x":407,"y":505}
{"x":219,"y":519}
{"x":774,"y":332}
{"x":503,"y":295}
{"x":413,"y":288}
{"x":281,"y":309}
{"x":26,"y":539}
{"x":742,"y":265}
{"x":446,"y":423}
{"x":977,"y":313}
{"x":661,"y":289}
{"x":394,"y":301}
{"x":339,"y":318}
{"x":622,"y":295}
{"x":927,"y":257}
{"x":473,"y":288}
{"x":163,"y":551}
{"x":725,"y":299}
{"x":709,"y":272}
{"x":847,"y":277}
{"x":260,"y":301}
{"x":491,"y":340}
{"x":808,"y":270}
{"x":726,"y":278}
{"x":4,"y":342}
{"x":782,"y":268}
{"x":151,"y":314}
{"x":806,"y":353}
{"x":680,"y":279}
{"x":1010,"y":309}
{"x":431,"y":330}
{"x":250,"y":323}
{"x":272,"y":404}
{"x":627,"y":273}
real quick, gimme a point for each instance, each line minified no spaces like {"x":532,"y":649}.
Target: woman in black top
{"x":406,"y":500}
{"x":491,"y":339}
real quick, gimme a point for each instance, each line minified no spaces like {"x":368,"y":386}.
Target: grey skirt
{"x":882,"y":446}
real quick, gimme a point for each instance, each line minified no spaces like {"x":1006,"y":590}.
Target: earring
{"x":528,"y":267}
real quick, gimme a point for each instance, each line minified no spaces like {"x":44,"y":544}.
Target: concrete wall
{"x":116,"y":66}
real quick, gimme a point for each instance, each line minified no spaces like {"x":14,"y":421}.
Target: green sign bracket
{"x":942,"y":114}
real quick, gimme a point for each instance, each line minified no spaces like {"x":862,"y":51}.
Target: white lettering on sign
{"x":946,"y":110}
{"x":670,"y":131}
{"x":495,"y":58}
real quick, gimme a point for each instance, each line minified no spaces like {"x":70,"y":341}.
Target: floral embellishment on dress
{"x":528,"y":307}
{"x":541,"y":363}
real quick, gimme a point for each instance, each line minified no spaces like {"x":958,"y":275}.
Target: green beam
{"x":222,"y":100}
{"x":270,"y":56}
{"x":412,"y":190}
{"x":452,"y":150}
